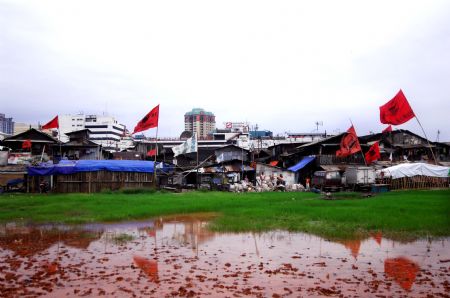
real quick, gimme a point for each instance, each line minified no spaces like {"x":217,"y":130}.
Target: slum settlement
{"x":227,"y":160}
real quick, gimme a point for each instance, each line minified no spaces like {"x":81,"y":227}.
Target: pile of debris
{"x":269,"y":184}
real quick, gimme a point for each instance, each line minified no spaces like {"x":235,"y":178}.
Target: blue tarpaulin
{"x":70,"y":167}
{"x":306,"y":160}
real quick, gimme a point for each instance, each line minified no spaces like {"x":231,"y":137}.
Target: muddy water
{"x":179,"y":256}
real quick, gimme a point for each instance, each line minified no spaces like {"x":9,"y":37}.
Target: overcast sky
{"x":281,"y":64}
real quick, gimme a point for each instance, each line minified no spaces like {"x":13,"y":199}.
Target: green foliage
{"x":406,"y":214}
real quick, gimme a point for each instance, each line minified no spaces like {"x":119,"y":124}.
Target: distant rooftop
{"x":198,"y":111}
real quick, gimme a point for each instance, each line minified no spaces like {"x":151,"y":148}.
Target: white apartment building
{"x":105,"y":130}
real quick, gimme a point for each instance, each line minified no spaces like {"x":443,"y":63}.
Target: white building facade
{"x":105,"y":130}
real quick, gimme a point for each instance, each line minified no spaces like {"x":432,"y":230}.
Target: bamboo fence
{"x":416,"y":182}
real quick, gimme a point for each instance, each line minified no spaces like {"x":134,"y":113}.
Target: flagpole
{"x":156,"y":154}
{"x":59,"y":138}
{"x":196,"y":144}
{"x":364,"y":158}
{"x":429,"y":145}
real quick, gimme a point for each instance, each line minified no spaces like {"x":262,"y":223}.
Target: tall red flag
{"x":396,"y":111}
{"x":373,"y":153}
{"x":387,"y":129}
{"x":149,"y":121}
{"x":54,"y":123}
{"x":349,"y":143}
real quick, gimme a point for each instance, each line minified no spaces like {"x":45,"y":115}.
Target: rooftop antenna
{"x":318,"y":123}
{"x":437,"y":137}
{"x":105,"y":112}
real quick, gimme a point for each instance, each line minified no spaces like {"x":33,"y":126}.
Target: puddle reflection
{"x":180,"y":256}
{"x":402,"y":270}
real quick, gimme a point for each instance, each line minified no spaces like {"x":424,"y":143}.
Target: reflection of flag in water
{"x":377,"y":237}
{"x":149,"y":267}
{"x":50,"y":268}
{"x":151,"y":232}
{"x":402,"y":270}
{"x":354,"y":246}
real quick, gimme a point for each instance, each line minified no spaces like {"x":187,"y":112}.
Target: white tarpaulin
{"x":415,"y":169}
{"x":187,"y":147}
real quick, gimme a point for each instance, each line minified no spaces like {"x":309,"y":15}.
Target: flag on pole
{"x":26,"y":144}
{"x":396,"y":111}
{"x":151,"y":152}
{"x":54,"y":123}
{"x":149,"y":121}
{"x":387,"y":129}
{"x":349,"y":143}
{"x":373,"y":153}
{"x":190,"y":145}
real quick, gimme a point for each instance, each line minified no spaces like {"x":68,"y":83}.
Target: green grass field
{"x":407,"y":214}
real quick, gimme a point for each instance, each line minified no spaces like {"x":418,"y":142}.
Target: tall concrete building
{"x":199,"y":121}
{"x":105,"y":130}
{"x":6,"y":125}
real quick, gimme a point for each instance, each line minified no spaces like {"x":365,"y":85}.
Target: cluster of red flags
{"x":395,"y":112}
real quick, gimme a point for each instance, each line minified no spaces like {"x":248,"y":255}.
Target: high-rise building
{"x":6,"y":124}
{"x":199,"y":121}
{"x":105,"y":130}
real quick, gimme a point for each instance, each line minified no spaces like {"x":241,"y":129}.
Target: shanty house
{"x":79,"y":147}
{"x":28,"y":144}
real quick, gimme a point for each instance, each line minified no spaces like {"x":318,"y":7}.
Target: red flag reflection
{"x":378,"y":236}
{"x":354,"y":246}
{"x":402,"y":270}
{"x":149,"y":267}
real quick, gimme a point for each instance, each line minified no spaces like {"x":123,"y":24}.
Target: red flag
{"x":26,"y":144}
{"x":54,"y":123}
{"x":149,"y":121}
{"x":349,"y":143}
{"x":387,"y":129}
{"x":396,"y":111}
{"x":151,"y":152}
{"x":373,"y":153}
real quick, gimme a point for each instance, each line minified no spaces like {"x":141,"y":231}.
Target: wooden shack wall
{"x":90,"y":182}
